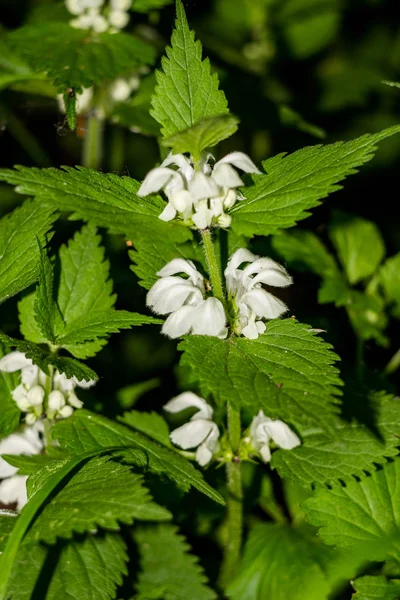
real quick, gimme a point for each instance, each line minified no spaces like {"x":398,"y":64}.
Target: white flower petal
{"x":30,"y":375}
{"x":186,"y":400}
{"x":179,"y":323}
{"x":230,"y":198}
{"x":36,"y":395}
{"x":265,"y":453}
{"x":203,"y":455}
{"x":84,"y":383}
{"x":241,"y":255}
{"x":168,"y":213}
{"x":202,"y":186}
{"x":209,"y":318}
{"x":274,"y":277}
{"x":264,"y":304}
{"x":65,"y":412}
{"x":240,"y":161}
{"x":14,"y":361}
{"x":224,"y":221}
{"x":180,"y":265}
{"x":261,"y":327}
{"x":170,"y":293}
{"x":182,"y":201}
{"x":282,"y":435}
{"x":74,"y":401}
{"x":56,"y":400}
{"x":13,"y":489}
{"x":191,"y":434}
{"x":250,"y":331}
{"x":118,"y":19}
{"x":155,"y":180}
{"x":203,"y":216}
{"x":225,"y":176}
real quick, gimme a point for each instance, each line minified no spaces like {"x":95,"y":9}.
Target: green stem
{"x":29,"y":513}
{"x":93,"y":143}
{"x":234,"y":517}
{"x":212,"y":264}
{"x":393,"y":364}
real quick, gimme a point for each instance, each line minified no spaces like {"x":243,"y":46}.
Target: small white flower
{"x":118,"y":19}
{"x":263,"y":430}
{"x":183,"y":300}
{"x":251,"y":302}
{"x":201,"y":432}
{"x":13,"y":487}
{"x":198,"y":197}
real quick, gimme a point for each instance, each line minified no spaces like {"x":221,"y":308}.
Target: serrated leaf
{"x":151,"y":424}
{"x":359,"y":244}
{"x":101,"y":494}
{"x":107,"y":200}
{"x":169,"y":571}
{"x":205,"y":134}
{"x":362,"y":512}
{"x":45,"y":309}
{"x":10,"y":414}
{"x":43,"y":357}
{"x":288,"y":372}
{"x":19,"y":251}
{"x":26,"y":314}
{"x":186,"y":91}
{"x":279,"y":563}
{"x":88,"y":568}
{"x":75,"y":58}
{"x":28,"y":464}
{"x":303,"y":250}
{"x":85,"y":431}
{"x":376,"y":588}
{"x":7,"y":522}
{"x":298,"y":182}
{"x":324,"y":460}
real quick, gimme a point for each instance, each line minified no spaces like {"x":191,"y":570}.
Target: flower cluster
{"x":29,"y":395}
{"x":198,"y":196}
{"x":13,"y":486}
{"x":203,"y":434}
{"x":94,"y":14}
{"x":191,"y":312}
{"x":249,"y":302}
{"x":183,"y":299}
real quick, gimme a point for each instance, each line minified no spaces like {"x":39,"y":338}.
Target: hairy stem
{"x":234,"y":517}
{"x":92,"y":156}
{"x":212,"y":264}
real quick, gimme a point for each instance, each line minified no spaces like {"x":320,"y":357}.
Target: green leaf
{"x":107,"y":200}
{"x":304,"y":251}
{"x":9,"y":412}
{"x":28,"y":325}
{"x":101,"y":494}
{"x":205,"y":134}
{"x":376,"y":588}
{"x":43,"y":357}
{"x":28,"y":464}
{"x":85,"y":431}
{"x":363,"y":512}
{"x":168,"y":570}
{"x":88,"y":568}
{"x":280,"y":563}
{"x":76,"y":58}
{"x":19,"y":251}
{"x":324,"y":460}
{"x":44,"y":307}
{"x":7,"y":522}
{"x":143,"y":6}
{"x":288,"y":372}
{"x":359,"y":244}
{"x":186,"y":92}
{"x":390,"y":281}
{"x":298,"y":182}
{"x":151,"y":424}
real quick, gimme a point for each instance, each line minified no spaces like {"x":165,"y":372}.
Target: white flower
{"x":250,"y":301}
{"x":118,"y":19}
{"x":28,"y":441}
{"x":198,"y":197}
{"x":183,"y":300}
{"x":263,"y":430}
{"x":201,"y":432}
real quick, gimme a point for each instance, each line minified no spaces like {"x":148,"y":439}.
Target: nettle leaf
{"x":106,"y":200}
{"x":43,"y":357}
{"x":205,"y":134}
{"x":28,"y":464}
{"x":303,"y":250}
{"x":20,"y":232}
{"x":46,"y":312}
{"x":7,"y":522}
{"x":324,"y":460}
{"x":288,"y":371}
{"x":281,"y":562}
{"x":296,"y":183}
{"x":376,"y":588}
{"x":390,"y":281}
{"x":186,"y":91}
{"x":76,"y":58}
{"x":9,"y":412}
{"x":101,"y":494}
{"x":88,"y":568}
{"x":151,"y":424}
{"x":364,"y":512}
{"x":168,"y":570}
{"x":359,"y":244}
{"x":85,"y":432}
